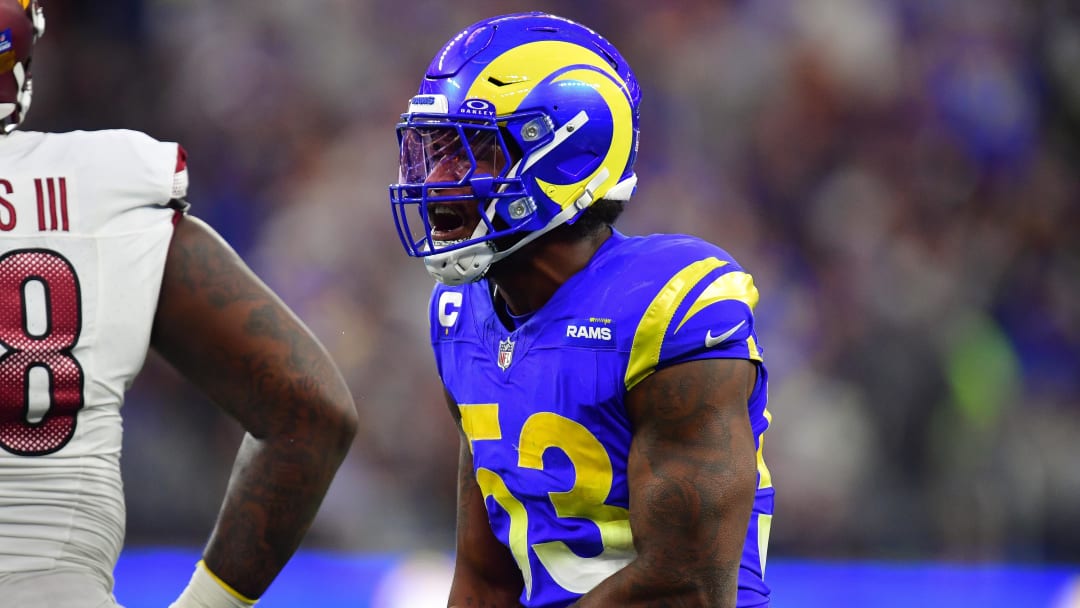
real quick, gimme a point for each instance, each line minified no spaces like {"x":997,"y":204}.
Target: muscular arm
{"x":485,"y":575}
{"x":224,"y":330}
{"x":692,"y":479}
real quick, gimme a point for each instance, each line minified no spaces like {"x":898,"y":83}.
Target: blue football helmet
{"x":22,"y":22}
{"x":522,"y":122}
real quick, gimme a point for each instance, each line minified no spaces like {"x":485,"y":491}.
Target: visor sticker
{"x":428,"y":104}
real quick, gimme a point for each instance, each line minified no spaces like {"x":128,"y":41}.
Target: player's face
{"x":438,"y":156}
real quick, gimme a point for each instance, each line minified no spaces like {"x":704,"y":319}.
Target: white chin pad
{"x":460,"y":266}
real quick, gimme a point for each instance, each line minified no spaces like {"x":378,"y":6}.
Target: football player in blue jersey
{"x":609,"y":389}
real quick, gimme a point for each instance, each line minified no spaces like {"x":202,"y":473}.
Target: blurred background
{"x":900,"y":177}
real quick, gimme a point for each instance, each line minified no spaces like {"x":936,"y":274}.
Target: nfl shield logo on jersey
{"x":506,"y":353}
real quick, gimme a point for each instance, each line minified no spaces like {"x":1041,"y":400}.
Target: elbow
{"x":328,"y":419}
{"x":340,"y":424}
{"x":316,"y":413}
{"x":350,"y":423}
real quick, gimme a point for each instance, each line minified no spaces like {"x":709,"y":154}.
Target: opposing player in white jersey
{"x":98,"y":262}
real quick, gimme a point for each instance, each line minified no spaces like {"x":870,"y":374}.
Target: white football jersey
{"x":85,"y":224}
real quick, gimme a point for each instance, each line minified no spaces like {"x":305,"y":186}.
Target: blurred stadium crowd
{"x":900,"y":176}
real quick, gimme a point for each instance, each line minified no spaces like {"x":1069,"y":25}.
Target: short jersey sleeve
{"x":704,"y":311}
{"x":128,"y":175}
{"x":139,"y":167}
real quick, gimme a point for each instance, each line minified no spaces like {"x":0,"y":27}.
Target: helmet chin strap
{"x":562,"y":217}
{"x":37,"y":17}
{"x":471,"y":263}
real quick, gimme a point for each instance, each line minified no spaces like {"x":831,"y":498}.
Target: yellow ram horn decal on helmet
{"x":621,"y":140}
{"x":542,"y":60}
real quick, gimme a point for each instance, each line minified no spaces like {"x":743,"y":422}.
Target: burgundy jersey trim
{"x":181,"y":158}
{"x":180,"y":176}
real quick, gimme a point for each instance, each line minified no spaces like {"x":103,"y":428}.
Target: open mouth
{"x":450,"y":222}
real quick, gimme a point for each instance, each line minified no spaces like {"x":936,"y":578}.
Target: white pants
{"x":54,"y":589}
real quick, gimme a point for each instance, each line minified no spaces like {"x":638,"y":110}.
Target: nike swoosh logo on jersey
{"x":711,"y":340}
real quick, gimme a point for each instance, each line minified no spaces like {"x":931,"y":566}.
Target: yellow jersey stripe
{"x":751,"y":346}
{"x":764,"y":476}
{"x":731,"y":286}
{"x":649,"y":337}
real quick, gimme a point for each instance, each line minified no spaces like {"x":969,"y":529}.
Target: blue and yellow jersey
{"x":543,"y":405}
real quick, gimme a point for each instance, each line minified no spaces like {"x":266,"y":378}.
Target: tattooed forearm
{"x":269,"y":506}
{"x":283,"y":468}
